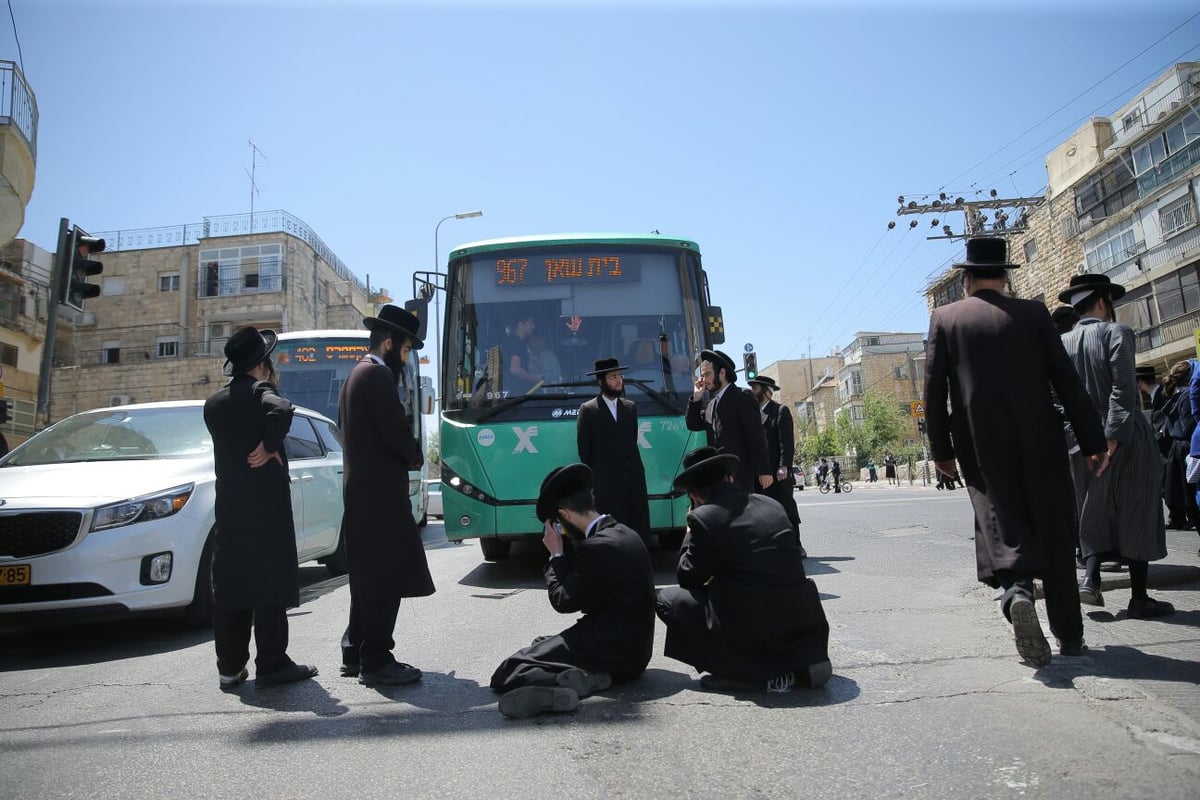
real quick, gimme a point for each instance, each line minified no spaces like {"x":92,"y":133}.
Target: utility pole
{"x":254,"y":153}
{"x":58,"y":274}
{"x":976,"y":223}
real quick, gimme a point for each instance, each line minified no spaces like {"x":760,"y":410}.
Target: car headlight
{"x":142,"y":509}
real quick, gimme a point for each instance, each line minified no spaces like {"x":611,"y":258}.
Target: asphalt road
{"x":928,"y":698}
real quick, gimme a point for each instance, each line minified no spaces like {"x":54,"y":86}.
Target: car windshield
{"x":118,"y":434}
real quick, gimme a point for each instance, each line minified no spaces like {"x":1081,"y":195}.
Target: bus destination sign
{"x":542,"y":271}
{"x":322,"y":352}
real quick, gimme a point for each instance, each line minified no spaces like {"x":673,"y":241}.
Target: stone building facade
{"x":24,"y":299}
{"x":171,"y":297}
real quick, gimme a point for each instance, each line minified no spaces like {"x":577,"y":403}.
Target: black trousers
{"x":368,"y":640}
{"x":536,"y":665}
{"x":781,"y":492}
{"x":1061,"y":589}
{"x":231,"y":634}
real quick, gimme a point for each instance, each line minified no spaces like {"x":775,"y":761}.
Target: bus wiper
{"x":657,"y":395}
{"x":513,"y":402}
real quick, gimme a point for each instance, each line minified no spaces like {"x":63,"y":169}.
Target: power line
{"x":20,"y":56}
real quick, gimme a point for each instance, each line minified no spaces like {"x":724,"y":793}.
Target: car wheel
{"x":199,"y":613}
{"x":336,"y":562}
{"x":494,"y":548}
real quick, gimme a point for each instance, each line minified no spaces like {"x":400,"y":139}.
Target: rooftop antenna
{"x":254,"y":154}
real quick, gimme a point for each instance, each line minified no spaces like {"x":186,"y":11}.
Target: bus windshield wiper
{"x":513,"y":402}
{"x":657,"y":395}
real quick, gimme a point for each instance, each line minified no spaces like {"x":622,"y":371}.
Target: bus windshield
{"x":526,"y":325}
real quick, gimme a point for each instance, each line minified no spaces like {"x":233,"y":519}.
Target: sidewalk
{"x":1182,"y":564}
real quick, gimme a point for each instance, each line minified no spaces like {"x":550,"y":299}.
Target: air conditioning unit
{"x":220,"y":330}
{"x":119,"y":400}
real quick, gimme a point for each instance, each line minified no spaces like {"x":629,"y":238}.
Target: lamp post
{"x":437,"y":306}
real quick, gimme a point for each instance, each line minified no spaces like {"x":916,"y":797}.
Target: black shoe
{"x":1089,"y":593}
{"x":1147,"y":608}
{"x":350,"y":670}
{"x":289,"y":674}
{"x":394,"y":674}
{"x":815,"y":675}
{"x":1027,"y":632}
{"x":715,"y":683}
{"x":530,"y":700}
{"x":229,"y":683}
{"x":1072,"y":648}
{"x":583,"y":682}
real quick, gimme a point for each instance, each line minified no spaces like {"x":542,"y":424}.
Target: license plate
{"x":14,"y":575}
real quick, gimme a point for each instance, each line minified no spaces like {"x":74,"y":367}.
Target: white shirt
{"x":611,"y":402}
{"x":377,"y":359}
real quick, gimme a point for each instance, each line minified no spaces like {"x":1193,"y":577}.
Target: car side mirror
{"x":425,"y":400}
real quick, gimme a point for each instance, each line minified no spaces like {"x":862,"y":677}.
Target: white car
{"x":110,"y":512}
{"x":434,"y":507}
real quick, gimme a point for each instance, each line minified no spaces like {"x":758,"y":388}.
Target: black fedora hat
{"x":719,"y":359}
{"x":397,"y":320}
{"x":604,"y":365}
{"x":561,"y":482}
{"x":1146,"y":373}
{"x":986,"y":254}
{"x":1063,"y":312}
{"x":247,"y":348}
{"x":1083,"y":287}
{"x":705,"y":466}
{"x":765,"y":381}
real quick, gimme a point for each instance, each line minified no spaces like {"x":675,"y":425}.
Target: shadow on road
{"x":1117,"y":661}
{"x":308,"y":696}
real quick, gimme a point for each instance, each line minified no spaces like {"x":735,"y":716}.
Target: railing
{"x":244,"y":284}
{"x":18,"y":106}
{"x":228,"y":225}
{"x":1180,"y":328}
{"x":1170,"y":167}
{"x":137,"y":345}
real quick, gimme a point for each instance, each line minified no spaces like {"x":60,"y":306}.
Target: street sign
{"x":749,"y":348}
{"x":916,"y":409}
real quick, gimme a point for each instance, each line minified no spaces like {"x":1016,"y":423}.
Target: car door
{"x":317,"y":473}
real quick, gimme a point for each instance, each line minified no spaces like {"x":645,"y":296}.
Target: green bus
{"x":550,"y":306}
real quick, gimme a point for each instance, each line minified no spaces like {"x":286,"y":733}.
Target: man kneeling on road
{"x":608,"y":577}
{"x":744,"y":610}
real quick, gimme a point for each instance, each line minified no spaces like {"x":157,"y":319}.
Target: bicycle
{"x":827,"y":485}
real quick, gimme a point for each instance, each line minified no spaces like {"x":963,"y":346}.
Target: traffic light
{"x":75,"y":287}
{"x":750,"y":365}
{"x":5,"y":410}
{"x":921,"y":426}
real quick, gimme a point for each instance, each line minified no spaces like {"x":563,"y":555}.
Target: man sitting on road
{"x":744,"y":610}
{"x":608,"y":577}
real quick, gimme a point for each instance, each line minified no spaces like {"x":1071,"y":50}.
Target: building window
{"x":857,"y":414}
{"x":10,"y":301}
{"x":110,"y":352}
{"x":949,"y":293}
{"x":241,"y":270}
{"x":8,"y":354}
{"x":168,"y":282}
{"x":1153,"y":151}
{"x":1177,"y":294}
{"x":1177,"y":216}
{"x":1115,"y":246}
{"x":1131,"y":119}
{"x":168,"y":346}
{"x":1105,"y":193}
{"x":1069,"y":227}
{"x":872,"y":341}
{"x":112,"y":285}
{"x":1030,"y":251}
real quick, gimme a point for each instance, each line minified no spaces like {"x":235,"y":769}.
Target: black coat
{"x":781,"y":440}
{"x":751,"y":614}
{"x":608,"y":577}
{"x":991,"y":364}
{"x":383,"y":543}
{"x":733,"y":426}
{"x":610,"y":447}
{"x":254,"y":555}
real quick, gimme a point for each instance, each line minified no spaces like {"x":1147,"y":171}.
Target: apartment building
{"x":24,"y":298}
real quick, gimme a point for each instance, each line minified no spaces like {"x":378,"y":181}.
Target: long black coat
{"x":751,"y":614}
{"x":610,"y":447}
{"x":992,"y":362}
{"x":383,"y":543}
{"x":781,"y":440}
{"x":733,"y":426}
{"x":254,"y":555}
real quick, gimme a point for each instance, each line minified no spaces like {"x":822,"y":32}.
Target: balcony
{"x":18,"y":148}
{"x":1169,"y":168}
{"x":1173,"y":337}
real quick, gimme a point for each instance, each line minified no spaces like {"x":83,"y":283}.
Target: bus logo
{"x":486,"y":437}
{"x":564,"y":412}
{"x":525,"y":439}
{"x":643,"y":429}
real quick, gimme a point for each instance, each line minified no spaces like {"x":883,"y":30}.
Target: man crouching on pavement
{"x":609,"y":578}
{"x":744,"y":610}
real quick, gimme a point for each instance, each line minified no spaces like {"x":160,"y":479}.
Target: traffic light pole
{"x":62,"y":264}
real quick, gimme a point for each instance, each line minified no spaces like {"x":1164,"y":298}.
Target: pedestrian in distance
{"x":836,"y":470}
{"x":872,"y":472}
{"x":383,"y":544}
{"x":606,"y":435}
{"x":255,"y":577}
{"x":744,"y":611}
{"x":607,"y":576}
{"x":889,"y":469}
{"x":1178,"y":427}
{"x":994,"y":367}
{"x":1120,"y":511}
{"x":781,"y":448}
{"x":730,"y":419}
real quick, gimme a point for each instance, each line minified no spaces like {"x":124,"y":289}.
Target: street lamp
{"x":437,"y":306}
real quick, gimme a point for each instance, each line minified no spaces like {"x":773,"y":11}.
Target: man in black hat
{"x":383,"y":544}
{"x":744,"y":611}
{"x":781,"y":448}
{"x":731,"y":419}
{"x":254,"y":566}
{"x":991,"y":364}
{"x":606,"y":434}
{"x":1120,"y":511}
{"x":1064,"y":318}
{"x":607,"y":576}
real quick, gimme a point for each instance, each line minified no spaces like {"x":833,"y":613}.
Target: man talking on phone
{"x":608,"y":576}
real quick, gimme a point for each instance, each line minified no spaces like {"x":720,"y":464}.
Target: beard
{"x":610,"y":393}
{"x":394,"y":362}
{"x":575,"y":534}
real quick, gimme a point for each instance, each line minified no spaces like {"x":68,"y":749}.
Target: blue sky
{"x":776,"y":134}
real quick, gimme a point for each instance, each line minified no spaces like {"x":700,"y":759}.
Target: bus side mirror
{"x":426,"y":400}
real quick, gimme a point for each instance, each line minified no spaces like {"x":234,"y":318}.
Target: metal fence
{"x":18,"y":106}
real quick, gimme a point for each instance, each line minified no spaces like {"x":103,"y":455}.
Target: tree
{"x":814,"y":444}
{"x":881,"y":428}
{"x":433,"y":456}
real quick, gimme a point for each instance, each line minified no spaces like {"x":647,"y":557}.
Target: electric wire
{"x":20,"y":56}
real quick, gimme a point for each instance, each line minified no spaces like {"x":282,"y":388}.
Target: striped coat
{"x":1121,"y":511}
